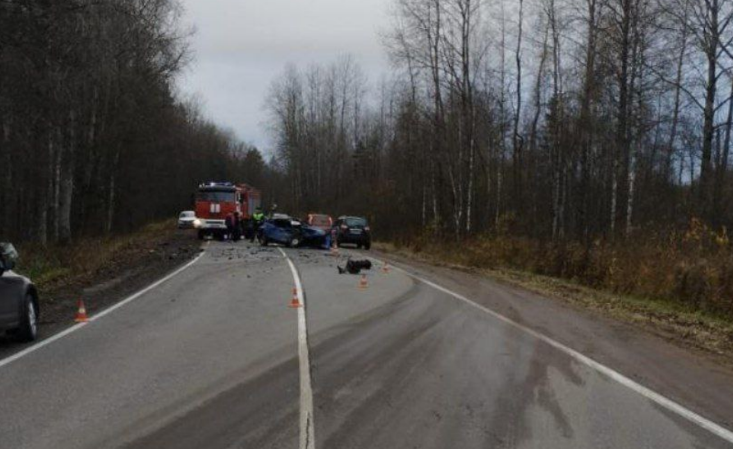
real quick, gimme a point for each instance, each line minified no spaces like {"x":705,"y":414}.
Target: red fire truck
{"x":216,"y":200}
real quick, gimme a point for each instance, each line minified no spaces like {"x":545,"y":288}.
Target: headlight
{"x":197,"y":223}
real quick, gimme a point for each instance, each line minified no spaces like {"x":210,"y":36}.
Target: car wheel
{"x":263,"y":241}
{"x":201,"y":235}
{"x":358,"y":246}
{"x":28,"y":330}
{"x":294,"y":242}
{"x":368,"y":246}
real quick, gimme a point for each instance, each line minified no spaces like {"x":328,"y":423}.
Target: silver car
{"x":187,"y":220}
{"x":19,"y":309}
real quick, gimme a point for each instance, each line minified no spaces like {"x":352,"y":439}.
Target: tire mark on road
{"x":656,"y":398}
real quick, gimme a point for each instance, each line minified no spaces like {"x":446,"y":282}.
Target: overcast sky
{"x":241,"y":45}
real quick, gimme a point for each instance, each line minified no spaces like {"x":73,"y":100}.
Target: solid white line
{"x":106,"y":311}
{"x":307,"y":434}
{"x":657,"y":398}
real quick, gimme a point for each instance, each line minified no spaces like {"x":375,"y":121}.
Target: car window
{"x":320,"y":220}
{"x":281,"y":223}
{"x":216,"y":196}
{"x":355,"y":221}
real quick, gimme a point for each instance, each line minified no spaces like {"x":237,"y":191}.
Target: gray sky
{"x":241,"y":45}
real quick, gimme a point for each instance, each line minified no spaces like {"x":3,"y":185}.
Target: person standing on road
{"x":334,"y":238}
{"x":237,"y":227}
{"x":229,"y":223}
{"x":257,"y":218}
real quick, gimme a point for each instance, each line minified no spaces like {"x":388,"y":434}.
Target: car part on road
{"x":355,"y":266}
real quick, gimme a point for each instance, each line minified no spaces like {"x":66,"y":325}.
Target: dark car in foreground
{"x":19,"y":309}
{"x":290,"y":232}
{"x":353,"y":230}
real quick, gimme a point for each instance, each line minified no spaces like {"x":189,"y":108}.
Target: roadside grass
{"x":57,"y":266}
{"x":683,"y":322}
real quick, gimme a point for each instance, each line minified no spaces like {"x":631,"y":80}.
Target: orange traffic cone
{"x":363,"y":281}
{"x":385,"y":268}
{"x":81,"y":314}
{"x":295,"y":302}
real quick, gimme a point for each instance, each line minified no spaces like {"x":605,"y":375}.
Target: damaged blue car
{"x":290,"y":232}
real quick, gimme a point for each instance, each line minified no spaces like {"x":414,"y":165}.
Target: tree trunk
{"x":66,"y":190}
{"x":516,"y":137}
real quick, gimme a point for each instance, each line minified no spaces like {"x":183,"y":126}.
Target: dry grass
{"x":679,"y":284}
{"x":62,"y":265}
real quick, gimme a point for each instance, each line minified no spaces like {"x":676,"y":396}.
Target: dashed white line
{"x":76,"y":327}
{"x":655,"y":397}
{"x":307,"y":434}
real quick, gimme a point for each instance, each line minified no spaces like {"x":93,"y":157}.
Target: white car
{"x":187,"y":220}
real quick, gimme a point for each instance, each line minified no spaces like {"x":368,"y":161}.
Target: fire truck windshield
{"x":216,"y":197}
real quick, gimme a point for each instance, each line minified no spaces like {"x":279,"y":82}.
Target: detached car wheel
{"x":28,"y":330}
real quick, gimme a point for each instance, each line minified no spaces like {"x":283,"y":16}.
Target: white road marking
{"x":107,"y":311}
{"x":307,"y":434}
{"x":657,"y":398}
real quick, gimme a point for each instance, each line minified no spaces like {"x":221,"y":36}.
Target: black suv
{"x":19,"y":310}
{"x":354,"y":230}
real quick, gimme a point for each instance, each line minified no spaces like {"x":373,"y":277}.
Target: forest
{"x":93,"y":136}
{"x":588,"y":139}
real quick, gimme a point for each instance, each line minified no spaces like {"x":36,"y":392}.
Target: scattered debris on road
{"x":355,"y":266}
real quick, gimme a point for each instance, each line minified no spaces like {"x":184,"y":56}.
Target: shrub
{"x":692,"y":266}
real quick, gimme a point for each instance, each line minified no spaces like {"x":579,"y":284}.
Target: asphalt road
{"x":210,"y":359}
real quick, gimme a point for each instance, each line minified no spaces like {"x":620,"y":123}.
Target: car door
{"x":11,"y":286}
{"x":283,"y":231}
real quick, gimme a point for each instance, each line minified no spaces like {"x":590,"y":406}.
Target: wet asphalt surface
{"x":209,"y":360}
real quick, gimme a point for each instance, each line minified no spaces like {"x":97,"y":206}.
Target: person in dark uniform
{"x":229,"y":223}
{"x":237,"y":227}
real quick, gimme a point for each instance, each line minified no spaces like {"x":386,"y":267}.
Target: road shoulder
{"x":694,"y":378}
{"x":134,"y":266}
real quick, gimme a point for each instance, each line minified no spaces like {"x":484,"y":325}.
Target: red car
{"x":320,"y":221}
